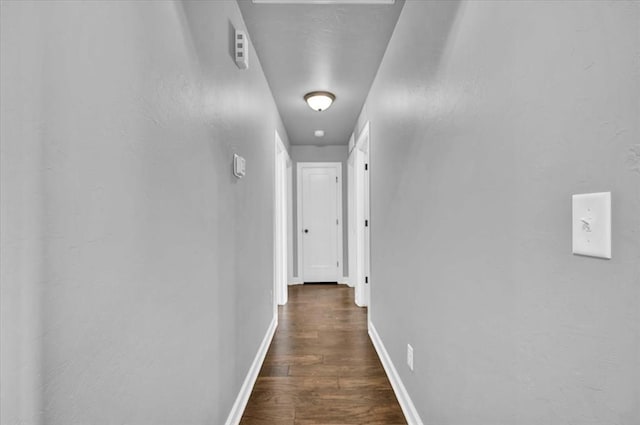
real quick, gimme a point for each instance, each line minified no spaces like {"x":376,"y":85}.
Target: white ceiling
{"x":320,"y":46}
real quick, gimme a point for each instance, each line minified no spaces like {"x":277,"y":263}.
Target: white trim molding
{"x":345,"y":281}
{"x":281,"y":219}
{"x":247,"y":386}
{"x":296,"y":281}
{"x":408,"y":408}
{"x":359,"y":213}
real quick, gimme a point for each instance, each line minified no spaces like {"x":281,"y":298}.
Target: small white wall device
{"x":591,"y":216}
{"x":242,"y":49}
{"x":239,"y":166}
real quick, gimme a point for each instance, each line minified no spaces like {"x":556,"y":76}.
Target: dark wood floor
{"x":321,"y":367}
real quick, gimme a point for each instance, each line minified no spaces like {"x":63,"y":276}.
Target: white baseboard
{"x":344,"y":280}
{"x":247,"y":386}
{"x":408,"y":408}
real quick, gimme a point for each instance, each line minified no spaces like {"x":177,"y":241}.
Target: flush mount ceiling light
{"x":319,"y":100}
{"x":318,"y":133}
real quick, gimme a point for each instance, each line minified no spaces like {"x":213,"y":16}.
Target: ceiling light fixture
{"x":311,"y":2}
{"x":319,"y":100}
{"x":318,"y":133}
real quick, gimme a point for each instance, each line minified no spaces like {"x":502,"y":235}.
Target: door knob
{"x":306,"y":230}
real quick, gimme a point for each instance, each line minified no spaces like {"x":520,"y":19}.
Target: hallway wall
{"x":329,"y":153}
{"x":136,"y":270}
{"x":485,"y":118}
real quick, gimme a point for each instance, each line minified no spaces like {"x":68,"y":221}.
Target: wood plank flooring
{"x":321,"y":367}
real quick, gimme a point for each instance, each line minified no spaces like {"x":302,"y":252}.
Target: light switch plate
{"x":591,"y":215}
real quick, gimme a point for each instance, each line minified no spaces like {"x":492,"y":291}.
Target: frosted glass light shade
{"x":319,"y":100}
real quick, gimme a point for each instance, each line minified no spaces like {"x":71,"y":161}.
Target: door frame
{"x":290,"y":230}
{"x":351,"y":221}
{"x":339,"y":229}
{"x":359,"y":237}
{"x":281,"y":223}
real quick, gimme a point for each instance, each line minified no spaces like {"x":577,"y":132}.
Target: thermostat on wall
{"x":239,"y":166}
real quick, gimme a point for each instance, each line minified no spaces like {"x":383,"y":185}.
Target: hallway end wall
{"x":137,"y":271}
{"x":486,"y":117}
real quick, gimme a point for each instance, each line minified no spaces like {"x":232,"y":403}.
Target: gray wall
{"x":126,"y":296}
{"x":485,"y":118}
{"x":329,"y":153}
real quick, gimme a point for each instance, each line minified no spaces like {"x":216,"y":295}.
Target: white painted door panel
{"x":319,"y":224}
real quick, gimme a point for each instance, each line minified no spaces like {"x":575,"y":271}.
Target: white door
{"x":319,"y":224}
{"x":367,"y":243}
{"x":351,"y":211}
{"x":359,"y":262}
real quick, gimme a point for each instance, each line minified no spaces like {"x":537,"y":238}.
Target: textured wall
{"x":485,"y":118}
{"x":126,"y":296}
{"x":330,"y":153}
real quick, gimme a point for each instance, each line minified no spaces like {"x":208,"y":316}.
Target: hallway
{"x":321,"y":367}
{"x":180,"y":181}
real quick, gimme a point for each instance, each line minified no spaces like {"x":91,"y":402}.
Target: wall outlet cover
{"x":410,"y":356}
{"x":239,"y":166}
{"x":591,"y":224}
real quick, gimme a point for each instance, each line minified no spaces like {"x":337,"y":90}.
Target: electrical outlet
{"x":410,"y":356}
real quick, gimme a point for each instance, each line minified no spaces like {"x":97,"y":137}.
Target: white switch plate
{"x":592,"y":224}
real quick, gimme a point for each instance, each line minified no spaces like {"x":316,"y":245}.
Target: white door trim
{"x":290,"y":231}
{"x":280,"y":225}
{"x":359,"y":261}
{"x":351,"y":217}
{"x":338,"y":167}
